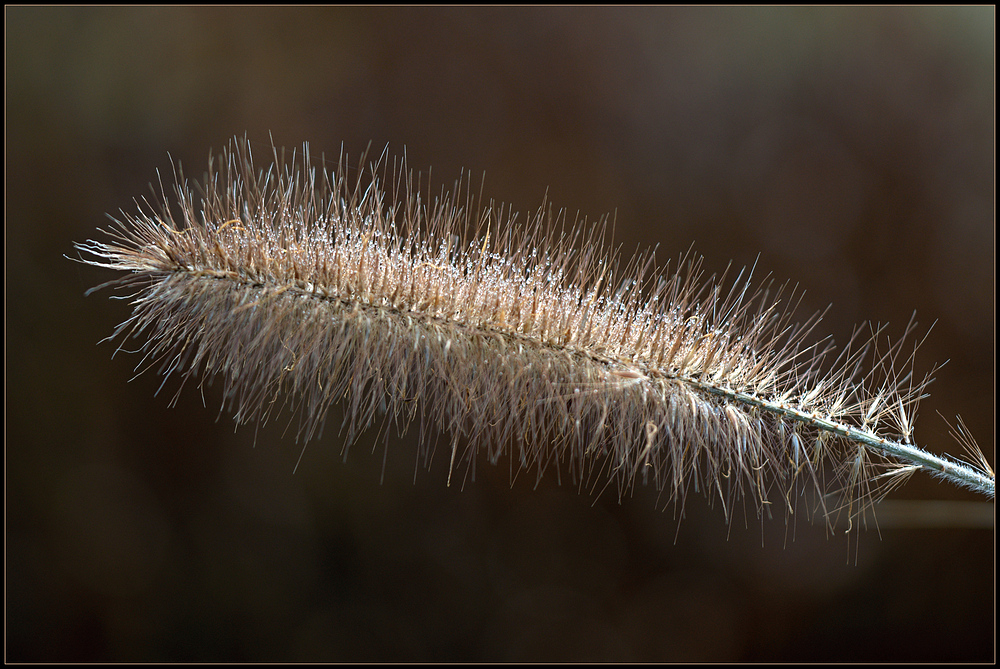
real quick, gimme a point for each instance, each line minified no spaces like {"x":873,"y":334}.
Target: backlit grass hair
{"x":302,"y":287}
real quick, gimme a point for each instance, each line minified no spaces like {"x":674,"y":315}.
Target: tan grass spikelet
{"x":302,"y":288}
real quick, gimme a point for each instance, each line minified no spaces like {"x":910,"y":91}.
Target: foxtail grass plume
{"x":302,"y":287}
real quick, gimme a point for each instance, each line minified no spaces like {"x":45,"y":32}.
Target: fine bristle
{"x":302,"y":288}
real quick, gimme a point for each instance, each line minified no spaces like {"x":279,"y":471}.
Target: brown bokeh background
{"x":852,"y":150}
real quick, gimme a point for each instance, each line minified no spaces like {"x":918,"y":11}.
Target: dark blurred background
{"x":852,"y":150}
